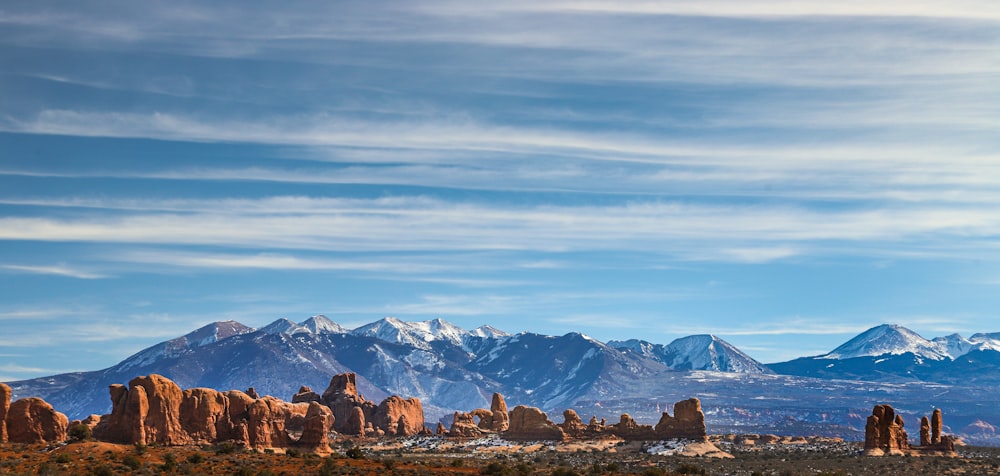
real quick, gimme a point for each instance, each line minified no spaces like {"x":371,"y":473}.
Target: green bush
{"x":195,"y":458}
{"x":132,"y":462}
{"x":355,"y":453}
{"x":79,"y":432}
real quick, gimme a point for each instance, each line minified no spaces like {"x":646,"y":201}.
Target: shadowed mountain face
{"x":450,"y":369}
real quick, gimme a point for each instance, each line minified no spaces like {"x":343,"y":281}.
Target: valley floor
{"x":433,"y":456}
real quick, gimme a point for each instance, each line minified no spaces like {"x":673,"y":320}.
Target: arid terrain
{"x":490,"y":456}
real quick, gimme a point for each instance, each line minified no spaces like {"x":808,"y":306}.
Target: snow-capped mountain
{"x":894,"y":353}
{"x":320,"y":324}
{"x":888,"y":339}
{"x":417,"y":334}
{"x":697,"y":352}
{"x":451,"y":369}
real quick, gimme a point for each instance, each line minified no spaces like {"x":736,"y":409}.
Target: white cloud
{"x":57,"y":270}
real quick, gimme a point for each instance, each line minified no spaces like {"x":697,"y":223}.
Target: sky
{"x":783,"y":174}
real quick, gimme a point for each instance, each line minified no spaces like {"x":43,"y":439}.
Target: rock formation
{"x":884,"y":433}
{"x":688,"y":421}
{"x":266,"y":423}
{"x":306,"y":395}
{"x":628,"y":429}
{"x":4,"y":406}
{"x":572,"y":424}
{"x":463,"y":425}
{"x":343,"y":398}
{"x":925,"y":431}
{"x":530,"y":423}
{"x":32,"y":420}
{"x":937,"y":421}
{"x":203,"y":413}
{"x":252,"y":393}
{"x":318,"y":423}
{"x":498,"y":407}
{"x":147,"y":412}
{"x":394,"y":410}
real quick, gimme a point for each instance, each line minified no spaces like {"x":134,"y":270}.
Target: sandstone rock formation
{"x":343,"y":398}
{"x":32,"y":420}
{"x":306,"y":395}
{"x":204,"y":415}
{"x":688,"y":421}
{"x":396,"y":410}
{"x":884,"y":433}
{"x":530,"y":423}
{"x":147,"y":412}
{"x":925,"y":431}
{"x":572,"y":424}
{"x":252,"y":393}
{"x":4,"y":406}
{"x":937,"y":421}
{"x":627,"y":428}
{"x":463,"y":425}
{"x":498,"y":407}
{"x":318,"y":423}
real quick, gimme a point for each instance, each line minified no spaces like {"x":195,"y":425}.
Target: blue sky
{"x":784,"y":174}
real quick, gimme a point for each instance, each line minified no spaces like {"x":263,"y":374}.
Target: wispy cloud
{"x":57,"y":270}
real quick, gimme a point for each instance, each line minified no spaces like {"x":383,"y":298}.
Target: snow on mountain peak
{"x":283,"y":326}
{"x":708,"y":352}
{"x":320,"y":324}
{"x":487,"y":332}
{"x":416,"y":334}
{"x":889,"y":339}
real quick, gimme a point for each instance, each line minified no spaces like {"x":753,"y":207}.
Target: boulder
{"x":688,"y":422}
{"x":4,"y":407}
{"x":306,"y":395}
{"x":32,"y":420}
{"x":252,"y":393}
{"x":318,"y":423}
{"x":530,"y":423}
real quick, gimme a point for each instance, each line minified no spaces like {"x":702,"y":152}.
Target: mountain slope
{"x":892,"y":353}
{"x":697,"y":352}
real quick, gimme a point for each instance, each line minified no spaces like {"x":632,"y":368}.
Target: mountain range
{"x":450,"y":368}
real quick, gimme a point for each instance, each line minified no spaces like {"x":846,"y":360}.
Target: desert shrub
{"x":169,"y":462}
{"x":195,"y":458}
{"x":654,"y":472}
{"x":79,"y":432}
{"x":46,"y":469}
{"x":494,"y":469}
{"x":244,"y":471}
{"x":132,"y":462}
{"x":563,"y":471}
{"x":456,"y":463}
{"x":62,"y":458}
{"x":389,"y":464}
{"x":102,"y":470}
{"x":355,"y":453}
{"x":688,"y":468}
{"x":292,"y":453}
{"x":266,"y":472}
{"x":226,"y":448}
{"x":141,"y":449}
